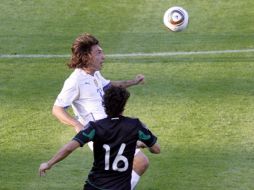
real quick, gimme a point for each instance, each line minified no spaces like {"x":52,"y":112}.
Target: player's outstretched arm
{"x":139,"y":79}
{"x":61,"y":114}
{"x":60,"y":155}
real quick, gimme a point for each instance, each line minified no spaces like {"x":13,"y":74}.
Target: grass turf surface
{"x":200,"y":106}
{"x":201,"y":112}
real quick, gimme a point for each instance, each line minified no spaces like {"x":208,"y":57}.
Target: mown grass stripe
{"x":153,"y":54}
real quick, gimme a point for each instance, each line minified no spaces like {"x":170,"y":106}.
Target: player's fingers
{"x":42,"y":172}
{"x":42,"y":169}
{"x":140,"y":78}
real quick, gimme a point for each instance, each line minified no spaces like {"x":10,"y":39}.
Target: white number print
{"x":107,"y":156}
{"x":119,"y":158}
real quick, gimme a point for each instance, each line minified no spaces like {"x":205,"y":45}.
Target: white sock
{"x":134,"y":179}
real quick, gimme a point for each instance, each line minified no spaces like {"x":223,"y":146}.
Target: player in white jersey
{"x":84,"y":91}
{"x":84,"y":88}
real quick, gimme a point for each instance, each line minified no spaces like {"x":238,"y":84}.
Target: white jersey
{"x":84,"y":93}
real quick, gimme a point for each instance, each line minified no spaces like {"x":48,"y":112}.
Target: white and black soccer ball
{"x":176,"y":19}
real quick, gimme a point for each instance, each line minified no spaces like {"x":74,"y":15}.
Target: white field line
{"x":119,"y":56}
{"x":168,"y":54}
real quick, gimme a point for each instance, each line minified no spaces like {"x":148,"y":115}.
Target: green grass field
{"x":201,"y":107}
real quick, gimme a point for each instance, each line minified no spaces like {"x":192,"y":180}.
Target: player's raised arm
{"x":139,"y":79}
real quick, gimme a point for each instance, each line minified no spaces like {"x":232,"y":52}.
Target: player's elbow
{"x":53,"y":111}
{"x":56,"y":110}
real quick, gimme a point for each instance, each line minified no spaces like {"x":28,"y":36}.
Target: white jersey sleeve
{"x":68,"y":94}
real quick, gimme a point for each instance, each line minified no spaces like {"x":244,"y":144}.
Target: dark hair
{"x":114,"y":100}
{"x":81,"y":49}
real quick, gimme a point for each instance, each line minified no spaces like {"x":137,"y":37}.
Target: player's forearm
{"x":155,"y":149}
{"x":58,"y":157}
{"x":65,"y":118}
{"x":139,"y":79}
{"x":63,"y":153}
{"x":124,"y":83}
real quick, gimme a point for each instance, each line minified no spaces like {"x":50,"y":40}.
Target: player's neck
{"x":89,"y":71}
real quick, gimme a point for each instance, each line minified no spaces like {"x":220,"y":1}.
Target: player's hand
{"x":140,"y":79}
{"x":141,"y":145}
{"x":42,"y":169}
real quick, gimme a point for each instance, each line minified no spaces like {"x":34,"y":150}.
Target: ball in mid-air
{"x":176,"y":19}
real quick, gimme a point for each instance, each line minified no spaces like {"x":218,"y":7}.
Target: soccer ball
{"x":176,"y":19}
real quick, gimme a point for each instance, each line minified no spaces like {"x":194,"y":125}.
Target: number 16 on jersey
{"x":119,"y":157}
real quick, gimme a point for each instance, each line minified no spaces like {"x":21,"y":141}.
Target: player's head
{"x":81,"y":50}
{"x":114,"y":101}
